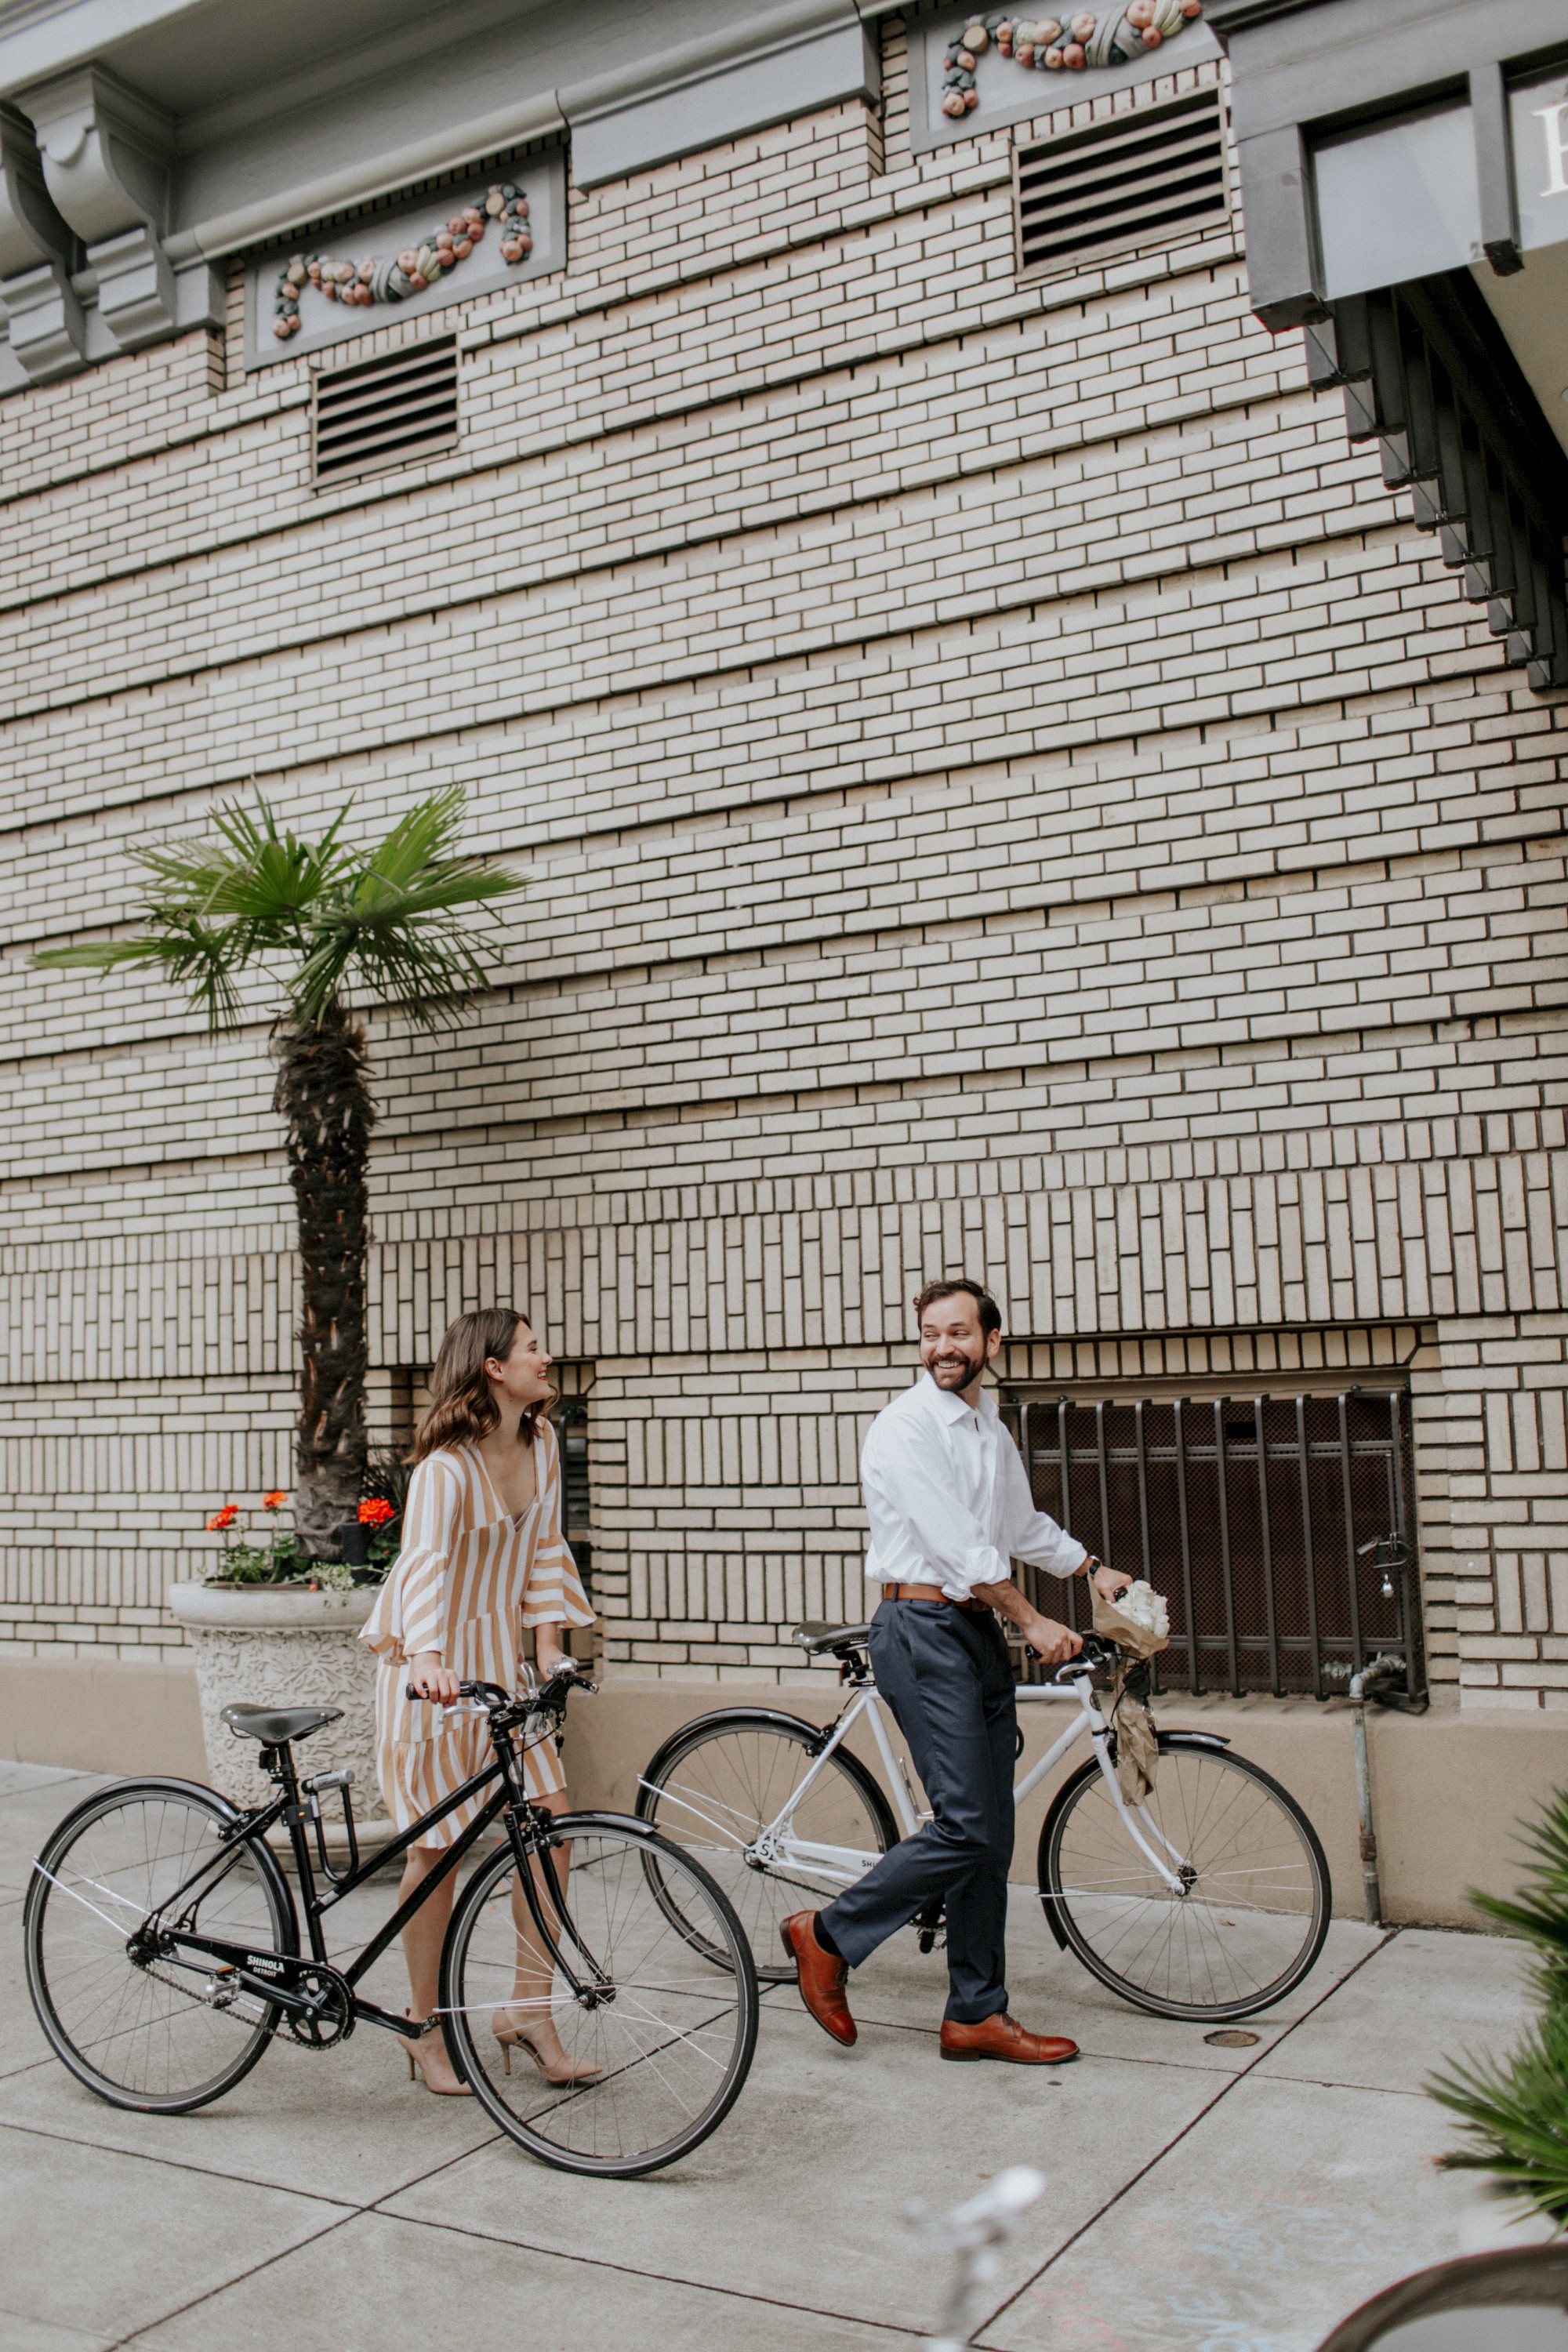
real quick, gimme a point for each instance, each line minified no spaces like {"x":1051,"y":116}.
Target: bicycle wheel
{"x":154,"y":2034}
{"x":1254,"y":1909}
{"x":721,"y":1790}
{"x":670,"y":2032}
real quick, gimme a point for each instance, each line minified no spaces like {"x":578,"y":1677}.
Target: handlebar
{"x":1096,"y":1651}
{"x":550,"y":1696}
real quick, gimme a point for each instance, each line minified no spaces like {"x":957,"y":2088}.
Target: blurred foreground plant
{"x":1515,"y":2109}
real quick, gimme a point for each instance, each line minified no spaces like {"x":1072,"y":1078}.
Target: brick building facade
{"x":1005,"y":786}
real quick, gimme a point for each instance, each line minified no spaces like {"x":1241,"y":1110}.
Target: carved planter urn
{"x":284,"y":1645}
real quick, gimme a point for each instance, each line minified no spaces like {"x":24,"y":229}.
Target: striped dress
{"x":468,"y":1580}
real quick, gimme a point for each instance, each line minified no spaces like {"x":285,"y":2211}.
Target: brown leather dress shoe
{"x":819,"y":1976}
{"x":1002,"y":2037}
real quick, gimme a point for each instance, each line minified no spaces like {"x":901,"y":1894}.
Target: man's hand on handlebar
{"x":1053,"y":1642}
{"x":431,"y":1679}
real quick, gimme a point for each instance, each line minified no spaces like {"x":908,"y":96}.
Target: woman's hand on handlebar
{"x":431,"y":1679}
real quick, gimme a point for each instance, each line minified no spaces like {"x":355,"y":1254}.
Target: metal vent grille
{"x":1159,"y":172}
{"x":387,"y":411}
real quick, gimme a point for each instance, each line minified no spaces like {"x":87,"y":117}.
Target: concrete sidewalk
{"x":1198,"y":2196}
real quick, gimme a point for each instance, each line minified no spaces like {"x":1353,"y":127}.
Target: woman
{"x":483,"y":1559}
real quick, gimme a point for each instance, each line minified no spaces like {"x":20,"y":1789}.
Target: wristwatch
{"x":1091,"y":1563}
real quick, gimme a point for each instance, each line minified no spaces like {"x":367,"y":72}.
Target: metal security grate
{"x":576,"y":1492}
{"x":1275,"y":1527}
{"x":387,"y":411}
{"x":1158,"y":172}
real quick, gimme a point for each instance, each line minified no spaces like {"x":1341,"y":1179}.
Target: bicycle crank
{"x":318,"y":2004}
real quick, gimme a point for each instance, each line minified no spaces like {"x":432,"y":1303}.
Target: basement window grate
{"x":384,"y":412}
{"x":1157,"y":173}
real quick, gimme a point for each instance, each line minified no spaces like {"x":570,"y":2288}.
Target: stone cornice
{"x":272,"y":216}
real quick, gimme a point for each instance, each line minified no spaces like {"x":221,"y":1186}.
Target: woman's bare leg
{"x":422,"y":1940}
{"x":532,"y":1983}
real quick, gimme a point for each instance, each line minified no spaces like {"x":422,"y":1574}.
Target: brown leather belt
{"x":931,"y":1592}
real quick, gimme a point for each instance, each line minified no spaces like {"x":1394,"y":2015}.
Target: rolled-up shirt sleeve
{"x":1031,"y":1535}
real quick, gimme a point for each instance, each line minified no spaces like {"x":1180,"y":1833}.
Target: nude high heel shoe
{"x":518,"y":2037}
{"x":427,"y":2054}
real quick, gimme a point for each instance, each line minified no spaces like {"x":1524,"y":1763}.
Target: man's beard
{"x":951,"y":1376}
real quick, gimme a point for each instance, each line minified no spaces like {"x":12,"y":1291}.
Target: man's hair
{"x":990,"y":1313}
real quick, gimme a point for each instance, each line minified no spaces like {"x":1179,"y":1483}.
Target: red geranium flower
{"x":375,"y":1513}
{"x":223,"y":1519}
{"x":274,"y":1502}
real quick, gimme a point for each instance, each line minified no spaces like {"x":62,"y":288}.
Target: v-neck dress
{"x":468,"y":1581}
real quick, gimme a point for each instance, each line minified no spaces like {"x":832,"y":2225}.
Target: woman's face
{"x":524,"y":1377}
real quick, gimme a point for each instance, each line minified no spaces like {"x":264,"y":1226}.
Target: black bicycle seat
{"x":273,"y":1724}
{"x":814,"y":1637}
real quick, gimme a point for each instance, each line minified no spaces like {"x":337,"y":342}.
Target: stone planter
{"x":284,"y":1646}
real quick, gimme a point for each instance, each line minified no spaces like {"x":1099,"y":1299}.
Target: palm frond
{"x":428,"y":836}
{"x":388,"y":924}
{"x":1515,"y":2116}
{"x":186,"y":950}
{"x":271,"y":881}
{"x":1540,"y":1910}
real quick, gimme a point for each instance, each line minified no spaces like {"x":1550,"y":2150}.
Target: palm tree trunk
{"x":323,"y":1096}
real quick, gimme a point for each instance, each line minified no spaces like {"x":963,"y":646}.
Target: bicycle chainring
{"x":331,"y":2022}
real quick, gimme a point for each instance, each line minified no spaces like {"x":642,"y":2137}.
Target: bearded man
{"x":950,"y":1508}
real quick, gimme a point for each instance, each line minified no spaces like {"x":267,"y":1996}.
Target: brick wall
{"x":1002,"y":784}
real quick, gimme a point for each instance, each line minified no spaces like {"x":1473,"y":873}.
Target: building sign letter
{"x":1556,"y":147}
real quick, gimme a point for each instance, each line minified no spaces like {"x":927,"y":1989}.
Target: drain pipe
{"x":1376,"y":1671}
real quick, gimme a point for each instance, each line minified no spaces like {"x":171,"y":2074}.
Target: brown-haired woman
{"x":483,"y":1557}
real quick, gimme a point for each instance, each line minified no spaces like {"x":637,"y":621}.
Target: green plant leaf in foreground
{"x":1540,"y":1911}
{"x":1515,"y":2116}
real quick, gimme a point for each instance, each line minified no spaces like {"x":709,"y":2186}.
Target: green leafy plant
{"x":1515,"y":2113}
{"x":1515,"y":2109}
{"x":325,"y":922}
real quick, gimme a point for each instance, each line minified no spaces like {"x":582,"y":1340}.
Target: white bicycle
{"x":1210,"y":1900}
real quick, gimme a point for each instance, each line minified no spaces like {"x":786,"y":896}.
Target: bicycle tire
{"x":124,"y":2028}
{"x":1106,"y":1903}
{"x":674,"y":2036}
{"x":753,"y":1788}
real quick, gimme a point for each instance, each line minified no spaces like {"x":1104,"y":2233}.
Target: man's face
{"x":953,"y":1349}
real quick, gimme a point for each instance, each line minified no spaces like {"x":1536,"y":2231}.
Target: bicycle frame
{"x":843,"y":1865}
{"x":530,"y":1830}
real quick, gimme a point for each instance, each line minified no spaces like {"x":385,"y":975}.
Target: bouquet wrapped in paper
{"x":1139,"y":1623}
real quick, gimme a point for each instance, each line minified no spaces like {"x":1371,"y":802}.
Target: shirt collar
{"x":950,"y":1407}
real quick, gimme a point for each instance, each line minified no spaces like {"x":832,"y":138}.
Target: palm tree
{"x":322,"y":918}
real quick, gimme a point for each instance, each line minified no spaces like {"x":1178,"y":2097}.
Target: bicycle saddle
{"x":273,"y":1724}
{"x":813,"y":1637}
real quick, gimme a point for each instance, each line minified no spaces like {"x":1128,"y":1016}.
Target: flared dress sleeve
{"x":554,"y":1594}
{"x":411,"y":1615}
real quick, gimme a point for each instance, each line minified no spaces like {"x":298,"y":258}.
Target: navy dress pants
{"x":946,"y":1675}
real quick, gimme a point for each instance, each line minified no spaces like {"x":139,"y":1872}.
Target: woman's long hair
{"x":462,"y":1409}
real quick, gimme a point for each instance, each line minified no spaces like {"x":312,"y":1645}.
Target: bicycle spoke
{"x":732,"y":1794}
{"x":1252,"y":1913}
{"x":668,"y":2035}
{"x":139,"y":2030}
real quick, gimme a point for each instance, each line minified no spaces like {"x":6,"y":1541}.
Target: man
{"x":950,"y":1509}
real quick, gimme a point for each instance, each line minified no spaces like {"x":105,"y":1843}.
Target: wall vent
{"x":1159,"y":172}
{"x":385,"y":412}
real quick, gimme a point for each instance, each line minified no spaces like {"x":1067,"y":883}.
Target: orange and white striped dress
{"x":468,"y":1581}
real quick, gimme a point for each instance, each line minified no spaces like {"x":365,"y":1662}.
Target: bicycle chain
{"x":282,"y":2023}
{"x":218,"y":2008}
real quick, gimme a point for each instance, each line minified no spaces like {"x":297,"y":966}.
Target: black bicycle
{"x":164,"y":1951}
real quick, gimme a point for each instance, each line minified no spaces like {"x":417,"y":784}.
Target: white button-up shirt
{"x":948,"y":1496}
